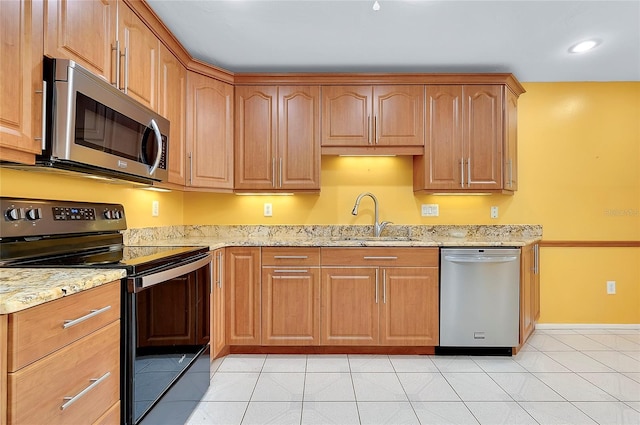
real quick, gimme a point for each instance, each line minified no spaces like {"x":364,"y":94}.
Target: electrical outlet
{"x":430,"y":210}
{"x":268,"y":210}
{"x":155,"y":209}
{"x":494,"y":212}
{"x":611,"y":287}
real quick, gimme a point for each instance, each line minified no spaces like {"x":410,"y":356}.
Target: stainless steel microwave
{"x":92,"y":127}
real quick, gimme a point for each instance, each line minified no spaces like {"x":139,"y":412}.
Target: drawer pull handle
{"x":291,"y":271}
{"x":290,"y":257}
{"x":94,"y":383}
{"x":380,"y":258}
{"x":70,"y":323}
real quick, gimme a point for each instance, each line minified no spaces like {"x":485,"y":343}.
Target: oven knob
{"x":117,"y":214}
{"x":13,"y":214}
{"x":108,"y":214}
{"x":34,"y":214}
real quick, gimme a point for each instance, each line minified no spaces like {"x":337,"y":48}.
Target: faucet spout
{"x":377,"y":226}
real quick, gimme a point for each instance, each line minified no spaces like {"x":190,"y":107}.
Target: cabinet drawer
{"x":110,"y":417}
{"x":38,"y":391}
{"x":380,"y":256}
{"x":38,"y":331}
{"x":290,"y":256}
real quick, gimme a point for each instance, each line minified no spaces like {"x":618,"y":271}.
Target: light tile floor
{"x":560,"y":377}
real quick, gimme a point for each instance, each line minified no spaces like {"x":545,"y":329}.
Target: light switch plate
{"x":611,"y":287}
{"x":268,"y":210}
{"x":155,"y":209}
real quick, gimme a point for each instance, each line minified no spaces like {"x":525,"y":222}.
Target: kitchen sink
{"x":371,"y":238}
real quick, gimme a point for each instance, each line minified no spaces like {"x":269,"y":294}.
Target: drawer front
{"x":110,"y":417}
{"x":380,"y":256}
{"x":38,"y":391}
{"x":291,"y":256}
{"x":38,"y":331}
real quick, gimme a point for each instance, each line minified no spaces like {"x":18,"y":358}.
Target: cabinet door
{"x":298,"y":138}
{"x":441,"y":166}
{"x":347,"y":116}
{"x":242,"y":267}
{"x":172,"y":106}
{"x":20,"y":80}
{"x":209,"y":133}
{"x":290,"y":306}
{"x":256,"y":127}
{"x":84,"y":31}
{"x":218,"y":305}
{"x":398,"y":113}
{"x":349,"y":306}
{"x":526,"y":291}
{"x":535,"y":284}
{"x":409,"y":312}
{"x":510,"y":172}
{"x":139,"y":67}
{"x":482,"y":136}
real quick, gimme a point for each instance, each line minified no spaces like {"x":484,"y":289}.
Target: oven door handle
{"x":140,"y":283}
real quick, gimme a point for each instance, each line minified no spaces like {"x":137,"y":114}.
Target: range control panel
{"x":43,"y":217}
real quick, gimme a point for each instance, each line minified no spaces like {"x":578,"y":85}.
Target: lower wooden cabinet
{"x":409,"y":313}
{"x":218,"y":341}
{"x":70,"y":374}
{"x":349,"y":311}
{"x":529,"y":290}
{"x":384,"y":297}
{"x":309,"y":296}
{"x":242,"y":295}
{"x":290,"y":296}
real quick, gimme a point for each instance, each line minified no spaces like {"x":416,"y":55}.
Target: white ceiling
{"x":528,"y":38}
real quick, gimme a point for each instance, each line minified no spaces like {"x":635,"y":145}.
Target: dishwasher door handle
{"x":480,"y":259}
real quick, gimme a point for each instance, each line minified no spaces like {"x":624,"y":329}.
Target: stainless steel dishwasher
{"x":479,"y":297}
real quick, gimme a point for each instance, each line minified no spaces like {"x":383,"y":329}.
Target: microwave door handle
{"x":156,"y":163}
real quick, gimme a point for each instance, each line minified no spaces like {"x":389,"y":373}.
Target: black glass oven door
{"x":167,"y":327}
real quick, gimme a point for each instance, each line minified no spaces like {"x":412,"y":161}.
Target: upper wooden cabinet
{"x":511,"y":142}
{"x":109,"y":39}
{"x":20,"y":80}
{"x":85,"y":31}
{"x":139,"y":52}
{"x":378,"y":119}
{"x":277,"y":138}
{"x":466,"y":139}
{"x":172,"y":97}
{"x":209,"y":146}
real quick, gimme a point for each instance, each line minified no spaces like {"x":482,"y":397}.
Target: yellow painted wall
{"x":136,"y":201}
{"x":579,"y":176}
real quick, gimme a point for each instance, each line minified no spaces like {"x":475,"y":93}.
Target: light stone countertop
{"x":23,"y":288}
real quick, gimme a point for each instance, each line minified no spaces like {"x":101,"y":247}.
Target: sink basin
{"x":373,"y":238}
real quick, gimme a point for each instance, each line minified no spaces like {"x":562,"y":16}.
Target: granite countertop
{"x":23,"y":288}
{"x":338,"y":236}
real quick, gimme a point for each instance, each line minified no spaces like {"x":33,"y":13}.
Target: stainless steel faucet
{"x":377,"y":227}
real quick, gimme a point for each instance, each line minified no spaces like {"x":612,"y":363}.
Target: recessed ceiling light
{"x":376,"y":6}
{"x":583,"y":46}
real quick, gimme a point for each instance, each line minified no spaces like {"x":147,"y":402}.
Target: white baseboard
{"x":543,"y":326}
